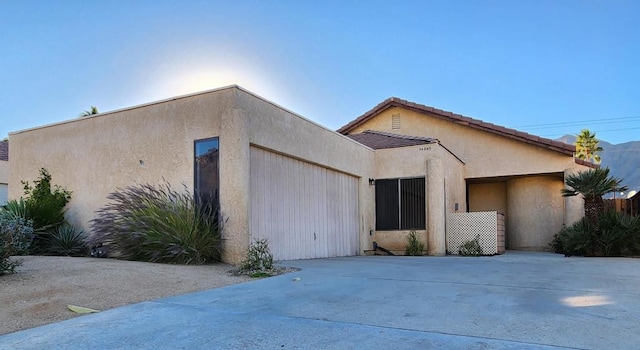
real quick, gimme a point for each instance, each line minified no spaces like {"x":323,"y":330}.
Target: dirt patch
{"x":43,"y":286}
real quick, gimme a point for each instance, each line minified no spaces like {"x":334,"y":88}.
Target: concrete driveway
{"x":514,"y":301}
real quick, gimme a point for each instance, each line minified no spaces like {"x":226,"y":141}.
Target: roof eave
{"x":513,"y":134}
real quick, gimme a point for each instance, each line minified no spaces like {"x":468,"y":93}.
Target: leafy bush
{"x":574,"y":240}
{"x":471,"y":248}
{"x":15,"y":238}
{"x":414,"y":246}
{"x":67,"y":241}
{"x":614,"y":235}
{"x":45,"y":205}
{"x":259,"y":259}
{"x":157,"y":224}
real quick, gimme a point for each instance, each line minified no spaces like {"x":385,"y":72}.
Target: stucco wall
{"x":534,"y":207}
{"x":413,"y":161}
{"x":535,"y":211}
{"x":488,"y":196}
{"x":271,"y":127}
{"x":93,"y":156}
{"x":485,"y":154}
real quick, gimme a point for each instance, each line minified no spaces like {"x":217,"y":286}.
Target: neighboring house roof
{"x":380,"y":139}
{"x":4,"y":150}
{"x":462,"y":120}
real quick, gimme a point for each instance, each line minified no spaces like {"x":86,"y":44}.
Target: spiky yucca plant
{"x":67,"y":240}
{"x":158,"y":224}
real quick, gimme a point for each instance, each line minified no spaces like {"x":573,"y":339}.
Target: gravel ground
{"x":43,"y":286}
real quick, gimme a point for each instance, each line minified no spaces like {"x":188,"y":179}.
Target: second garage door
{"x":304,"y":210}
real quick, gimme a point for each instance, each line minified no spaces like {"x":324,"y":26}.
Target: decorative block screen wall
{"x":489,"y":225}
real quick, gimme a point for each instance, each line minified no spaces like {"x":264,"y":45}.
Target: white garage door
{"x":303,"y":210}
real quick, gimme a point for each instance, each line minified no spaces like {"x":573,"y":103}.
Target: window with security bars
{"x":400,"y":204}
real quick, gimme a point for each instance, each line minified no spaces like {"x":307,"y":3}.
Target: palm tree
{"x":587,"y":146}
{"x":93,"y":110}
{"x":592,"y":185}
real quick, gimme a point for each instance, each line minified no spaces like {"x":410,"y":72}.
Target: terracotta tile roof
{"x":462,"y":120}
{"x":4,"y":150}
{"x":586,"y":163}
{"x":380,"y":139}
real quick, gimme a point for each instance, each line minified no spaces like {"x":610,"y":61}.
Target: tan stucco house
{"x":4,"y":171}
{"x":312,"y":192}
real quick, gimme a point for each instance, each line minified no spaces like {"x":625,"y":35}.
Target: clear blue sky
{"x":513,"y":63}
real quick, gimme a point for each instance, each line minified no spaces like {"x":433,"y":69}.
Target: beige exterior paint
{"x":444,"y":186}
{"x":504,"y":174}
{"x":484,"y":154}
{"x":93,"y":156}
{"x":488,"y":196}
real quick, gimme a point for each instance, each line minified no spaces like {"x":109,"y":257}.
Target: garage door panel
{"x":304,"y":210}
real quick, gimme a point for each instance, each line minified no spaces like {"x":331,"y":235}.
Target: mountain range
{"x":623,"y":159}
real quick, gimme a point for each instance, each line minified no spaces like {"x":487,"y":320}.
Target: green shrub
{"x":15,"y":238}
{"x":45,"y":205}
{"x":414,"y":246}
{"x":67,"y":241}
{"x":616,"y":235}
{"x":259,"y":259}
{"x":157,"y":224}
{"x":471,"y":248}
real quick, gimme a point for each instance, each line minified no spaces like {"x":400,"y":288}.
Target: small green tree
{"x":587,"y":146}
{"x":45,"y":203}
{"x":44,"y":206}
{"x":92,"y":111}
{"x":592,"y":184}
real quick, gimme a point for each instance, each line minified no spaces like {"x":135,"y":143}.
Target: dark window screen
{"x":387,"y":204}
{"x":412,"y":204}
{"x":400,"y":204}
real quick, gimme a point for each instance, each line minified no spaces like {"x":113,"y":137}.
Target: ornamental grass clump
{"x":156,"y":223}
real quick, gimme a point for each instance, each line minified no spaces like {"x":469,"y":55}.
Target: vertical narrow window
{"x":206,"y":171}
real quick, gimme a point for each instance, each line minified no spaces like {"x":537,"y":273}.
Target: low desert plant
{"x":66,"y":240}
{"x":471,"y":248}
{"x":158,"y":224}
{"x":259,"y":259}
{"x":615,"y":234}
{"x":15,"y":208}
{"x":414,"y":246}
{"x":16,"y":235}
